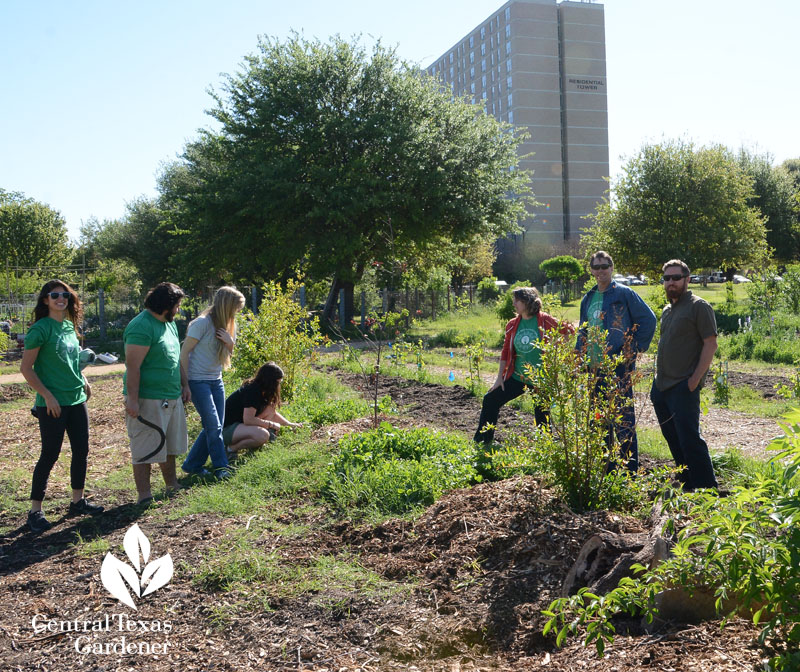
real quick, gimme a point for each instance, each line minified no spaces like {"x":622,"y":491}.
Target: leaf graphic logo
{"x":115,"y":574}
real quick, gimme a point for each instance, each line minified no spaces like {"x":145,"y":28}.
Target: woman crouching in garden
{"x":521,"y":350}
{"x":251,"y":413}
{"x":51,"y":366}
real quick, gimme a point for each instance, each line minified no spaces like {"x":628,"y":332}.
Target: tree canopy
{"x":329,"y":158}
{"x":674,"y":200}
{"x":775,"y":196}
{"x":32,"y":234}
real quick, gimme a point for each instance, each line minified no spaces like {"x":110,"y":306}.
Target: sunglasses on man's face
{"x":601,"y":267}
{"x":55,"y":295}
{"x":673,"y":277}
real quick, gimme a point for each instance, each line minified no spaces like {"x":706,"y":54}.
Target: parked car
{"x":635,"y":280}
{"x":620,"y":279}
{"x":738,"y":279}
{"x":717,"y":276}
{"x":696,"y":278}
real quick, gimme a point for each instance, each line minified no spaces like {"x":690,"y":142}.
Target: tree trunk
{"x":329,"y":312}
{"x":606,"y":557}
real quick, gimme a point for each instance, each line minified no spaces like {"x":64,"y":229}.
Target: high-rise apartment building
{"x":542,"y":65}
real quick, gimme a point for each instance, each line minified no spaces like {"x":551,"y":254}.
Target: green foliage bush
{"x":393,"y":471}
{"x":281,"y":332}
{"x":488,"y":291}
{"x":744,"y":548}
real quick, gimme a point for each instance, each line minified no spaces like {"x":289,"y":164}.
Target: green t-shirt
{"x":526,"y":345}
{"x":595,"y":317}
{"x":58,"y":361}
{"x":160,"y":373}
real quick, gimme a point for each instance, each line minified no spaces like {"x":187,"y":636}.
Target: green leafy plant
{"x":792,"y":390}
{"x":722,"y":388}
{"x":281,"y":332}
{"x":476,"y":354}
{"x":388,"y":470}
{"x":744,"y":549}
{"x":582,"y":403}
{"x":488,"y":290}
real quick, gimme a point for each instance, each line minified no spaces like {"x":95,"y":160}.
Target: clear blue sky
{"x":96,"y":95}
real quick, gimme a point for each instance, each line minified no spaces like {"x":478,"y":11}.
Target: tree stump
{"x":606,"y":557}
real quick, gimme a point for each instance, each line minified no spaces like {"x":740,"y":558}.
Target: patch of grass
{"x":88,"y":548}
{"x":390,"y":471}
{"x":652,"y":443}
{"x":240,"y":564}
{"x":285,"y":468}
{"x":750,"y":402}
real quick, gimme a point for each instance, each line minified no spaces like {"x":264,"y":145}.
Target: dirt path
{"x":89,"y":372}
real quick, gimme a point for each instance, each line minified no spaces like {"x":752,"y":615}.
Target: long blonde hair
{"x":227,"y":302}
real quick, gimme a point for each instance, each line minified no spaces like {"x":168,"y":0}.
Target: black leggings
{"x":492,"y":403}
{"x":75,"y":421}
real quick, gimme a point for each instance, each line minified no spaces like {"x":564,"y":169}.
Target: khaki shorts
{"x":145,"y":440}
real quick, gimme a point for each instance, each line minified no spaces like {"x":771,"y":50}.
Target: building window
{"x":483,"y":33}
{"x":508,"y":66}
{"x":483,"y":50}
{"x":492,"y":74}
{"x":509,"y":100}
{"x":491,"y":23}
{"x":493,"y":112}
{"x":492,"y":58}
{"x":508,"y":48}
{"x":483,"y":81}
{"x":508,"y":14}
{"x":483,"y":95}
{"x":510,"y":116}
{"x":471,"y":56}
{"x":472,"y":72}
{"x":471,"y":41}
{"x":472,"y":100}
{"x":508,"y":30}
{"x":491,"y":42}
{"x":451,"y":72}
{"x":508,"y":82}
{"x":472,"y":87}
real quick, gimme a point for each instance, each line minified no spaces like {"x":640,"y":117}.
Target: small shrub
{"x":281,"y":332}
{"x":488,"y":290}
{"x":392,"y":471}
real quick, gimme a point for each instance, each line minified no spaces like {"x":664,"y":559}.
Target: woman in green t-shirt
{"x":51,"y":365}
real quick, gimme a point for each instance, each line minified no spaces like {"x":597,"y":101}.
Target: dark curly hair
{"x":268,"y":379}
{"x":74,"y":306}
{"x":164,"y":296}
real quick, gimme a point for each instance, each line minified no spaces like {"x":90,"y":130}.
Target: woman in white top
{"x":205,"y":353}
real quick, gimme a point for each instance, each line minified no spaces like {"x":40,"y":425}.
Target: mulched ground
{"x":479,"y":567}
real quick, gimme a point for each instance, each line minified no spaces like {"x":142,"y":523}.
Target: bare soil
{"x":475,"y":571}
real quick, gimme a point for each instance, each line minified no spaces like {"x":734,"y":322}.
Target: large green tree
{"x":32,"y":234}
{"x":775,"y":197}
{"x":674,"y":200}
{"x":330,"y":158}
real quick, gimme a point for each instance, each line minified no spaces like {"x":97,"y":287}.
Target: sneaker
{"x":202,"y":472}
{"x":37,"y":522}
{"x":84,"y":508}
{"x":223,"y":475}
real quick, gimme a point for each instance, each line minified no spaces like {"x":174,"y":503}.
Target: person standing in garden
{"x":51,"y":366}
{"x":205,"y":353}
{"x":629,"y":325}
{"x":685,"y":349}
{"x":520,"y":352}
{"x":155,"y":388}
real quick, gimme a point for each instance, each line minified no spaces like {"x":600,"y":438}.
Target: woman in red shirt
{"x":520,"y":354}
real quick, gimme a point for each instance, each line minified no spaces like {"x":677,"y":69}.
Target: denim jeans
{"x":678,"y":413}
{"x":208,"y":397}
{"x":625,"y":425}
{"x":492,"y":403}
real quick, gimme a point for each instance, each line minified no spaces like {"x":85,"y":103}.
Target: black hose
{"x":161,"y":442}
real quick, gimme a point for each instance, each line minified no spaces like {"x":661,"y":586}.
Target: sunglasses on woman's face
{"x":55,"y":295}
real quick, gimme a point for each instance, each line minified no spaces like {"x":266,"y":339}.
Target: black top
{"x":247,"y":396}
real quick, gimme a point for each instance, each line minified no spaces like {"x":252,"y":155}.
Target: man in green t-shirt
{"x":155,"y":388}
